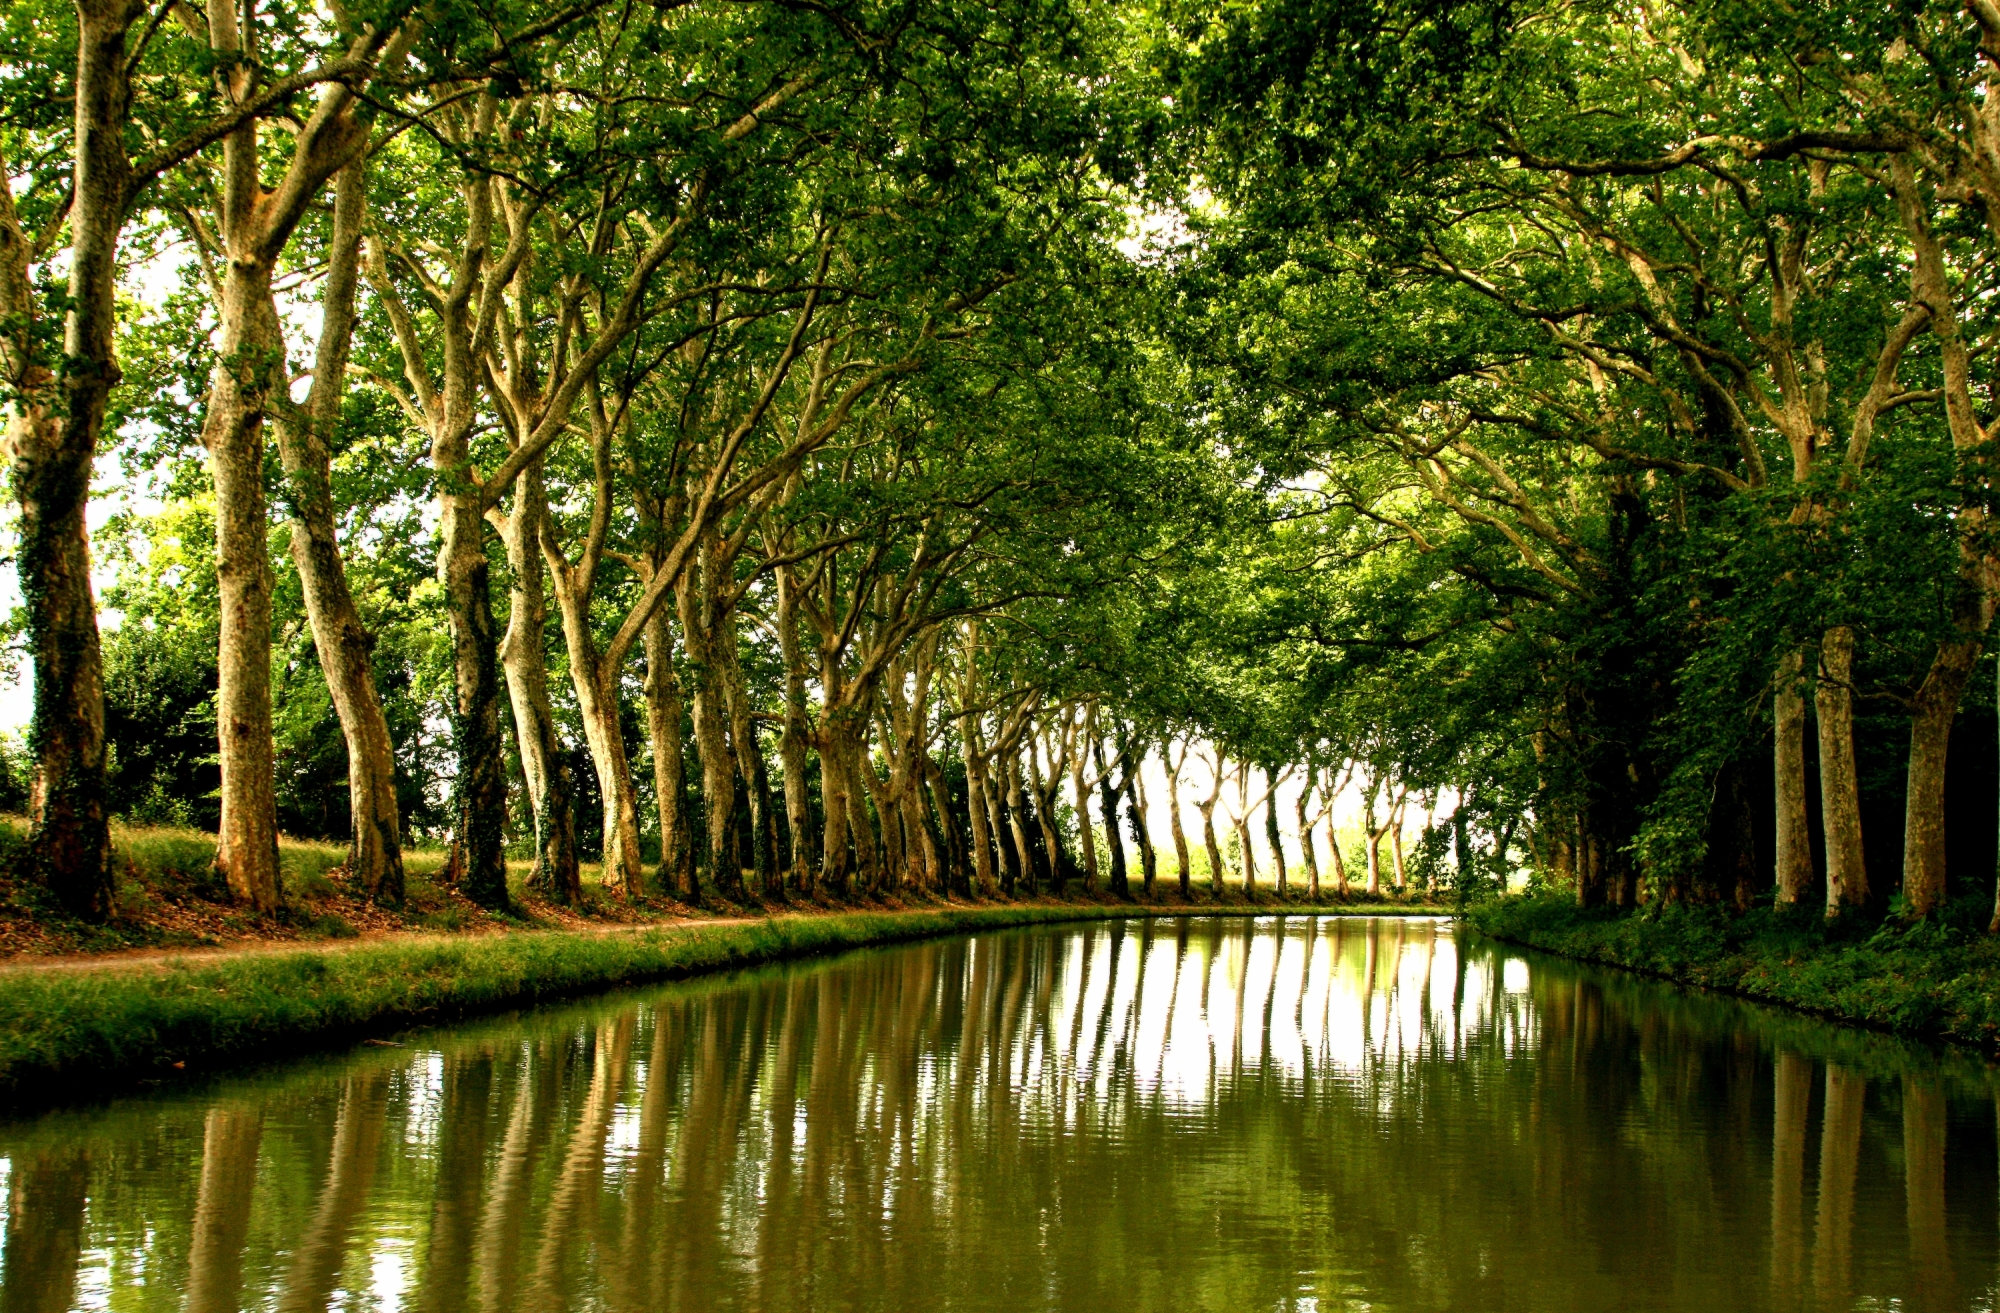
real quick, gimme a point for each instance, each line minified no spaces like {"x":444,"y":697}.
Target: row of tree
{"x":775,"y":448}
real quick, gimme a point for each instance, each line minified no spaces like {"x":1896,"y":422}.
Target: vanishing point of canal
{"x":1194,"y":1114}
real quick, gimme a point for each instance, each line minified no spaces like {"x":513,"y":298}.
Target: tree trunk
{"x":69,"y":839}
{"x":1935,"y":708}
{"x":854,"y":759}
{"x":1839,"y":780}
{"x":1120,"y":886}
{"x":976,"y":813}
{"x":251,"y":379}
{"x":1017,"y":820}
{"x":664,"y":713}
{"x":1272,"y":837}
{"x":1307,"y":856}
{"x":1247,"y":854}
{"x":958,"y":873}
{"x":524,"y":657}
{"x":833,"y":797}
{"x":1183,"y":868}
{"x":792,"y":745}
{"x":749,"y":758}
{"x":1211,"y":847}
{"x":1795,"y":872}
{"x":1086,"y":833}
{"x":887,"y":797}
{"x":604,"y":733}
{"x":718,"y":767}
{"x":1142,"y":834}
{"x":249,"y":365}
{"x":480,"y":802}
{"x":894,"y":853}
{"x":1003,"y":830}
{"x":375,"y":856}
{"x":1396,"y":846}
{"x":1339,"y":860}
{"x":1045,"y":790}
{"x":1372,"y":837}
{"x":1993,"y":926}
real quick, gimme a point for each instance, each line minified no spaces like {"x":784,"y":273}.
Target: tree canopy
{"x":780,"y":450}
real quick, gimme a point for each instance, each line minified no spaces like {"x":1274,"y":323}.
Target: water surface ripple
{"x":1195,"y":1114}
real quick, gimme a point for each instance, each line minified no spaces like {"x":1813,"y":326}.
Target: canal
{"x":1194,"y":1114}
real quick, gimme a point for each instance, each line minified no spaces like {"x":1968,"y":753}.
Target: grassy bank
{"x":169,"y":897}
{"x":1934,"y":980}
{"x":65,"y":1031}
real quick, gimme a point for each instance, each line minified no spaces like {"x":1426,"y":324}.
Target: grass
{"x":68,"y":1020}
{"x":169,"y":896}
{"x":1935,"y":979}
{"x":66,"y":1029}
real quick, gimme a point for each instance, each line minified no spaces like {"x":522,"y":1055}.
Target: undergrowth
{"x":1936,"y":977}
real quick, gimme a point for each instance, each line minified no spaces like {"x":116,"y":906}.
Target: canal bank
{"x":1188,"y":1115}
{"x":72,"y":1031}
{"x":1930,"y":980}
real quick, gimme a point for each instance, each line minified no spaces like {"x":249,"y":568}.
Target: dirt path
{"x":161,"y":958}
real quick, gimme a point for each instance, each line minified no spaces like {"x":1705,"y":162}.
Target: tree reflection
{"x":1201,"y":1113}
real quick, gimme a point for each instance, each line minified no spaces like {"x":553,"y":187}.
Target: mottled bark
{"x":524,"y":658}
{"x":1396,"y":845}
{"x":852,"y":755}
{"x":1277,"y":845}
{"x":1794,"y":874}
{"x":1109,"y":794}
{"x":1045,"y":788}
{"x":51,"y":442}
{"x":1931,"y":715}
{"x":1307,"y":856}
{"x":1371,"y":837}
{"x":1017,"y":817}
{"x":305,"y":442}
{"x":1340,"y":880}
{"x":249,"y":366}
{"x":1003,"y":829}
{"x":1936,"y":703}
{"x":664,"y":714}
{"x":1839,"y":778}
{"x":1086,"y":831}
{"x":479,"y":802}
{"x":249,"y":383}
{"x":958,"y":869}
{"x":1183,"y":868}
{"x":718,"y":766}
{"x":793,"y":744}
{"x":976,"y":810}
{"x":1207,"y":808}
{"x":749,"y":762}
{"x":1142,"y":834}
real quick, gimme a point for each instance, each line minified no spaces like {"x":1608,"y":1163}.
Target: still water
{"x":1198,"y":1114}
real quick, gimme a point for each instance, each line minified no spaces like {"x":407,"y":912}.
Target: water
{"x":1172,"y":1115}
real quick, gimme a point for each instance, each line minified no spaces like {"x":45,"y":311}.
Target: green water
{"x":1173,"y":1115}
